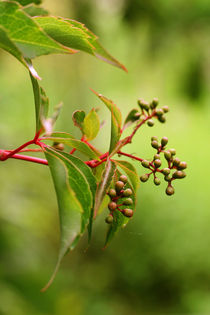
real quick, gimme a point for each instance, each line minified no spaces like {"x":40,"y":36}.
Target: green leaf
{"x":116,"y":120}
{"x":69,"y":140}
{"x":25,"y":2}
{"x":78,"y":118}
{"x":131,"y":118}
{"x":75,"y":35}
{"x":73,"y":183}
{"x":41,"y":103}
{"x":104,"y":185}
{"x":131,"y":172}
{"x":91,"y":125}
{"x":34,"y":10}
{"x":26,"y":34}
{"x":119,"y":220}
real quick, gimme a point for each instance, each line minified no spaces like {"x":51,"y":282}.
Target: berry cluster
{"x":150,"y":109}
{"x":174,"y":169}
{"x":122,"y":194}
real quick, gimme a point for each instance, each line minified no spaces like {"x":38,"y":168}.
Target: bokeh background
{"x":159,"y":264}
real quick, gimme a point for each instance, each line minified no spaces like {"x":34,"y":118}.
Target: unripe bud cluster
{"x":121,"y":192}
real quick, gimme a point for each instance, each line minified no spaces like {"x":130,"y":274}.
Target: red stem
{"x":29,"y":159}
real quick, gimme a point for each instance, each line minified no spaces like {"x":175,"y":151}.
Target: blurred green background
{"x":159,"y":264}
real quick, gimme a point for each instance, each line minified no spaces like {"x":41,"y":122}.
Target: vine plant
{"x":83,"y":188}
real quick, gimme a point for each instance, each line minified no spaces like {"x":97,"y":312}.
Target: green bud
{"x":128,"y":202}
{"x":157,"y":181}
{"x":173,"y":151}
{"x":58,"y":146}
{"x":165,"y":109}
{"x":127,"y":212}
{"x":162,"y":119}
{"x":145,"y":163}
{"x":176,"y":162}
{"x":109,"y":219}
{"x":150,"y":123}
{"x":137,"y":115}
{"x":145,"y":105}
{"x":155,"y":144}
{"x":154,"y":138}
{"x":112,"y":205}
{"x":164,"y":141}
{"x":157,"y":163}
{"x":127,"y":193}
{"x":157,"y":156}
{"x":170,"y":190}
{"x":144,"y":178}
{"x":166,"y":171}
{"x":159,"y":112}
{"x":154,"y":103}
{"x":167,"y":178}
{"x":179,"y":174}
{"x":182,"y":165}
{"x":112,"y":193}
{"x":123,"y":178}
{"x":119,"y":185}
{"x":167,"y":155}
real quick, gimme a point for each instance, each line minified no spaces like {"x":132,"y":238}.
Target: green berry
{"x":155,"y":144}
{"x":162,"y":119}
{"x":169,"y":190}
{"x":179,"y":174}
{"x":119,"y":185}
{"x":109,"y":219}
{"x":123,"y":178}
{"x":167,"y":155}
{"x":112,"y":205}
{"x":154,"y":103}
{"x":127,"y":193}
{"x":157,"y":156}
{"x":159,"y":112}
{"x":182,"y":165}
{"x":128,"y":202}
{"x":144,"y":178}
{"x":173,"y":151}
{"x":127,"y":212}
{"x":145,"y":163}
{"x":167,"y":178}
{"x":165,"y":109}
{"x":112,"y":193}
{"x":166,"y":171}
{"x":176,"y":162}
{"x":164,"y":141}
{"x":156,"y":181}
{"x":150,"y":123}
{"x":154,"y":138}
{"x":157,"y":163}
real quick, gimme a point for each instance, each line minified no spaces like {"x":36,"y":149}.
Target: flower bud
{"x":170,"y":190}
{"x":154,"y":138}
{"x":109,"y":219}
{"x":144,"y":178}
{"x":112,"y":193}
{"x":157,"y":163}
{"x":182,"y":165}
{"x":119,"y":185}
{"x":173,"y":151}
{"x":167,"y":155}
{"x":123,"y":178}
{"x":165,"y":109}
{"x":127,"y":212}
{"x":155,"y":144}
{"x":179,"y":174}
{"x":159,"y":112}
{"x":166,"y":171}
{"x":167,"y":178}
{"x":112,"y":206}
{"x":128,"y":202}
{"x":127,"y":193}
{"x":154,"y":103}
{"x":157,"y":181}
{"x":58,"y":146}
{"x":150,"y":123}
{"x":157,"y":156}
{"x":176,"y":162}
{"x":164,"y":141}
{"x":162,"y":119}
{"x":145,"y":163}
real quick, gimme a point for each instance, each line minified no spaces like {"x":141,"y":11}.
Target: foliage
{"x":81,"y":186}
